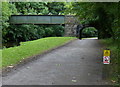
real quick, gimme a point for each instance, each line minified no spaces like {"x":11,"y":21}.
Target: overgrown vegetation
{"x":89,"y":32}
{"x":13,"y":55}
{"x":40,"y":8}
{"x":101,"y":15}
{"x":105,"y":17}
{"x":115,"y":55}
{"x":17,"y":33}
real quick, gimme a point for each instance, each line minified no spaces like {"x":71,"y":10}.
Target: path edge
{"x":23,"y":62}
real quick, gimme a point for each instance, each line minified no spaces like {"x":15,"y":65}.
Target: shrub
{"x":27,"y":32}
{"x":89,"y":32}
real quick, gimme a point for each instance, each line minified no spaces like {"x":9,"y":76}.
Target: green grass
{"x":14,"y":55}
{"x":0,"y":58}
{"x":115,"y":55}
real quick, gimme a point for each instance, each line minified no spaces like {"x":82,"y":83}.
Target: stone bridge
{"x":71,"y":23}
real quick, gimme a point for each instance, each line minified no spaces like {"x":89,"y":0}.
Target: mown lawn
{"x":115,"y":59}
{"x":14,"y":55}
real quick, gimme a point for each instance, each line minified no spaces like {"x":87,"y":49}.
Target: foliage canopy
{"x":103,"y":16}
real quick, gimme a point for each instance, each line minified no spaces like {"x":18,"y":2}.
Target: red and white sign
{"x":106,"y":59}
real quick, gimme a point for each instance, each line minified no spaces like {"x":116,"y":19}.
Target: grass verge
{"x":13,"y":55}
{"x":115,"y":60}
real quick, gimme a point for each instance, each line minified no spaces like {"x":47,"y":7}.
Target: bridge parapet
{"x":37,"y":19}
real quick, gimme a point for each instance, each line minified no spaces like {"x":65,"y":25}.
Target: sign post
{"x":106,"y":57}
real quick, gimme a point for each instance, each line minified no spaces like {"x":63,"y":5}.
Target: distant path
{"x":78,"y":63}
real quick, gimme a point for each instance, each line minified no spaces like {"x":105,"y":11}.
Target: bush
{"x":58,"y":30}
{"x":54,"y":31}
{"x":19,"y":33}
{"x":89,"y":32}
{"x":27,"y":32}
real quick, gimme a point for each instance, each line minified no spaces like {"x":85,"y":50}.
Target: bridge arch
{"x":89,"y":32}
{"x":81,"y":28}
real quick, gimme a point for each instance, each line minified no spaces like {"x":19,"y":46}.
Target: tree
{"x":41,"y":8}
{"x":7,"y":10}
{"x":17,"y":33}
{"x":56,"y":8}
{"x":30,"y":8}
{"x":102,"y":16}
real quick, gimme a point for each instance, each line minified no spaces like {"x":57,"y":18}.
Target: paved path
{"x":78,"y":63}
